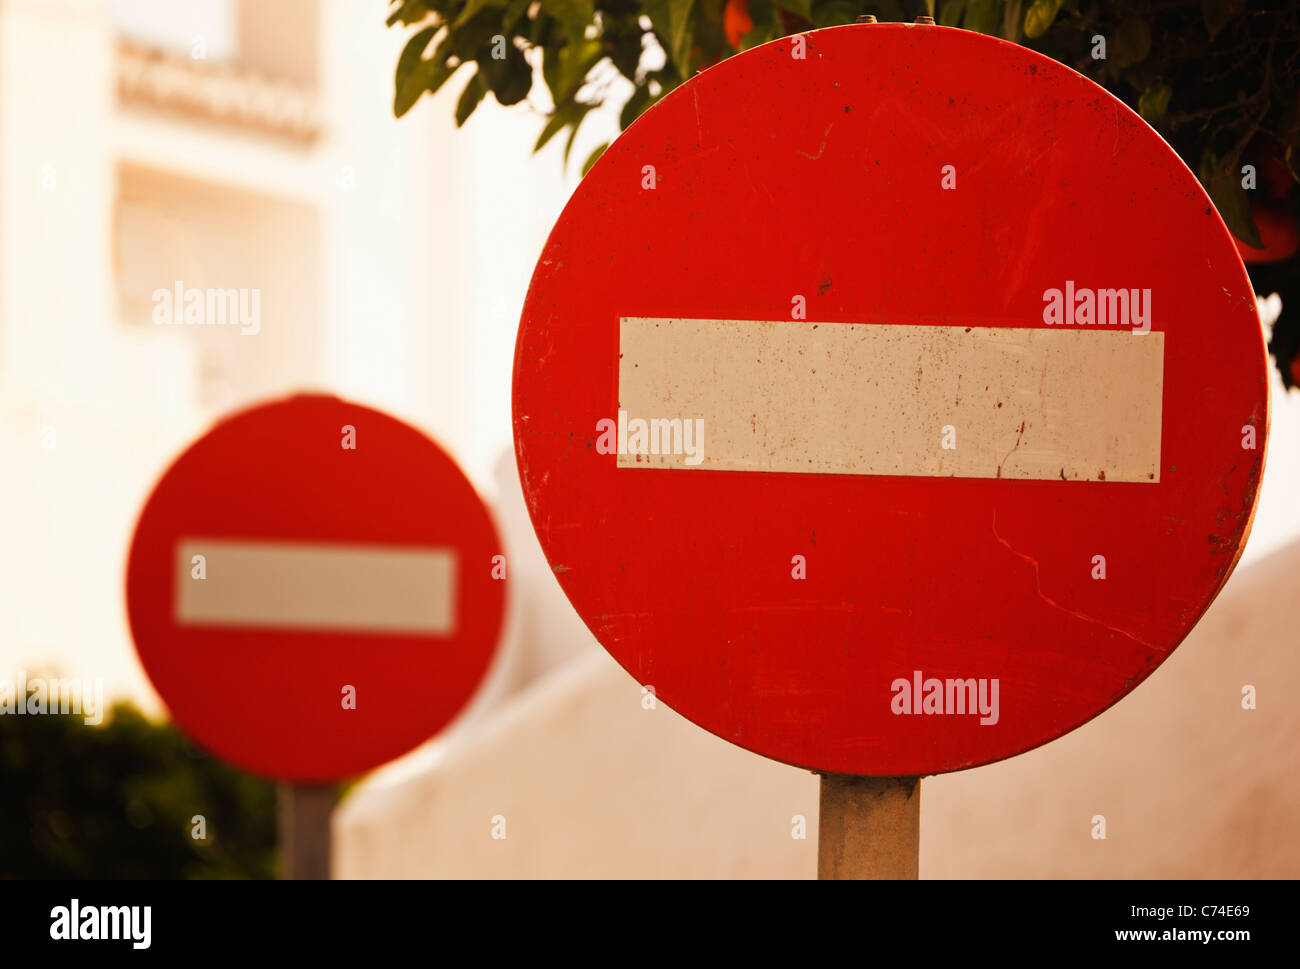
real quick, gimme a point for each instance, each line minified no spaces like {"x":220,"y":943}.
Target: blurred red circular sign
{"x":312,"y":589}
{"x":891,"y":399}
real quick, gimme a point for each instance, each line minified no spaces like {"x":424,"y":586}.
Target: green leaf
{"x":408,"y":12}
{"x":623,"y":44}
{"x":635,"y":106}
{"x":473,"y":7}
{"x":800,"y":8}
{"x":470,"y":98}
{"x":437,"y":70}
{"x":554,"y":125}
{"x":766,"y":16}
{"x":982,"y":16}
{"x":409,"y":82}
{"x":1223,"y":183}
{"x":834,"y":13}
{"x":760,"y":34}
{"x":1154,"y":101}
{"x":514,"y":11}
{"x":673,"y":22}
{"x":565,"y":68}
{"x":1040,"y":15}
{"x":571,"y":112}
{"x":764,"y":12}
{"x":429,"y":75}
{"x":591,"y":159}
{"x":510,"y":77}
{"x":1132,"y":43}
{"x":470,"y":38}
{"x":1013,"y":21}
{"x":1217,"y":14}
{"x":573,"y":15}
{"x":573,"y":133}
{"x":950,"y":12}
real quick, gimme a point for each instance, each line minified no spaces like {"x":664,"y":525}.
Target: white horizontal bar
{"x":316,"y":586}
{"x":853,"y":398}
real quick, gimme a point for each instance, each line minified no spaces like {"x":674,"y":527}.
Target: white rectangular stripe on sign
{"x":855,"y":398}
{"x":316,"y":586}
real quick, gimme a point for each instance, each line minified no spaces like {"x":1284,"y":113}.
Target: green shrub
{"x":119,"y":800}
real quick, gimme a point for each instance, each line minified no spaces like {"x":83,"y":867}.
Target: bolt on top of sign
{"x":891,"y":399}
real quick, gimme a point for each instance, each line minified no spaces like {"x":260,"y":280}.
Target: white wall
{"x":591,"y":784}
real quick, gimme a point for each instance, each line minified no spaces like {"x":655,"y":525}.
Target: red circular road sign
{"x":891,"y":399}
{"x":311,"y":590}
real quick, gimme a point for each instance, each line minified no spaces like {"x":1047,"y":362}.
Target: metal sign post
{"x":304,"y":821}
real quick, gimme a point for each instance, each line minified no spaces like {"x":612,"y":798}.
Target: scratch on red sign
{"x":1038,"y":589}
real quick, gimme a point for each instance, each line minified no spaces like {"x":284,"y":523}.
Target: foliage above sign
{"x":1217,"y":78}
